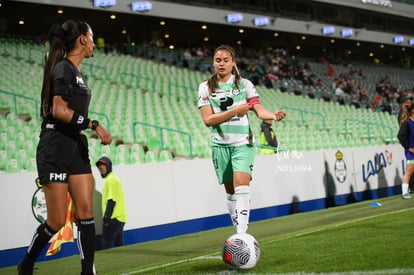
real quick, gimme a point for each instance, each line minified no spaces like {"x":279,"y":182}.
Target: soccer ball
{"x":241,"y":251}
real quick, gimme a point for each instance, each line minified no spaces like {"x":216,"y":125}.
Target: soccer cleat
{"x":25,"y":268}
{"x":406,"y":196}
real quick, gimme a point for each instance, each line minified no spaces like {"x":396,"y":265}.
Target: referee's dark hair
{"x":61,"y":38}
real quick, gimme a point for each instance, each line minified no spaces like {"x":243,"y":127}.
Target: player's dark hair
{"x":212,"y":83}
{"x":61,"y":40}
{"x":406,"y":112}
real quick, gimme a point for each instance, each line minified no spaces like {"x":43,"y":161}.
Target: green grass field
{"x":350,"y":239}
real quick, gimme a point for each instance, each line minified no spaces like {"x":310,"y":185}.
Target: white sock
{"x":242,"y":194}
{"x":404,"y":188}
{"x":231,"y":206}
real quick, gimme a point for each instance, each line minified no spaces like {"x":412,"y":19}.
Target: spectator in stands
{"x":187,"y":58}
{"x":224,"y":101}
{"x":318,"y":83}
{"x":377,"y":100}
{"x":100,"y":42}
{"x":113,"y":206}
{"x":387,"y":102}
{"x":406,"y":138}
{"x":62,"y":153}
{"x":267,"y":137}
{"x":355,"y":99}
{"x":363,"y":97}
{"x":340,"y":85}
{"x":331,"y":71}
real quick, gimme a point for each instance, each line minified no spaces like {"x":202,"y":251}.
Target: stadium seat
{"x":172,"y":102}
{"x":151,"y":156}
{"x":153,"y":143}
{"x":30,"y":165}
{"x":165,"y":155}
{"x":14,"y":166}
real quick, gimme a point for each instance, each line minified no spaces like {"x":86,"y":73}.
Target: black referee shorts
{"x":59,"y":156}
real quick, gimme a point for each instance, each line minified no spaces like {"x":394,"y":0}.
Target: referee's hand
{"x":104,"y":135}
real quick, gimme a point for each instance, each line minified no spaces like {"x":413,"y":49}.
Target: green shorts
{"x":228,"y":160}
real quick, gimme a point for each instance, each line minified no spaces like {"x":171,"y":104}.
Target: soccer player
{"x":406,"y":138}
{"x":62,"y":153}
{"x":224,"y":101}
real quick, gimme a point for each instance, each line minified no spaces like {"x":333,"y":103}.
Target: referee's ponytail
{"x":61,"y":38}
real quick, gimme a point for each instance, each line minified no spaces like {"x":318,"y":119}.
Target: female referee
{"x":62,"y":153}
{"x":224,"y":102}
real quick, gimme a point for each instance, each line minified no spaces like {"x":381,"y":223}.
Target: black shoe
{"x":25,"y":267}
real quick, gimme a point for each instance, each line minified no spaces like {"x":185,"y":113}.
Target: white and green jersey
{"x":235,"y":131}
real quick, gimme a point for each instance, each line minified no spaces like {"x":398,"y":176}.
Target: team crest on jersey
{"x":236,"y":92}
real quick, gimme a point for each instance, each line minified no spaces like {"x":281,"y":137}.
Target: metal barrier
{"x":15,"y":96}
{"x":303,"y":111}
{"x":161,"y":135}
{"x":368,"y":125}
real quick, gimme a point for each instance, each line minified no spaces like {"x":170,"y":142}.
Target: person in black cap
{"x":113,"y":206}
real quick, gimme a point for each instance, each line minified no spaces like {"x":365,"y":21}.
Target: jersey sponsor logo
{"x":225,"y":102}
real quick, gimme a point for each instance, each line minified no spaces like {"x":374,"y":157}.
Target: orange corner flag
{"x":65,"y":234}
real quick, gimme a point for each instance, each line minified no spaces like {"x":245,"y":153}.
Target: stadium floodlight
{"x":141,"y":6}
{"x":411,"y":41}
{"x":234,"y":18}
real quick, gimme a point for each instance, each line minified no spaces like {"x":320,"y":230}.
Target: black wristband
{"x":95,"y":124}
{"x":79,"y":121}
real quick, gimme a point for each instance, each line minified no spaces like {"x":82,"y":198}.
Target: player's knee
{"x":56,"y":223}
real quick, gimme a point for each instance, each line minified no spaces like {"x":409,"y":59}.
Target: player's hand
{"x":242,"y":109}
{"x":104,"y":135}
{"x":279,"y":115}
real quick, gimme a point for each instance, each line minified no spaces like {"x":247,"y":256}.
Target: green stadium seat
{"x":31,"y":165}
{"x":153,"y":143}
{"x":14,"y":166}
{"x":165,"y":155}
{"x":151,"y":156}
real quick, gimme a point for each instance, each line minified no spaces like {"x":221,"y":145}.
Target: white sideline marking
{"x":371,"y":272}
{"x":209,"y":256}
{"x":341,"y":224}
